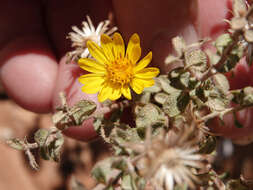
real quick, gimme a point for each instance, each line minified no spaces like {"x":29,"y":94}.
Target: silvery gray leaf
{"x":179,"y":45}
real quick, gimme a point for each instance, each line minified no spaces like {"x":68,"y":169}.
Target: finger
{"x":61,"y":15}
{"x":157,"y":23}
{"x":211,"y":23}
{"x":28,"y":70}
{"x":68,"y":74}
{"x":210,"y":17}
{"x":240,"y":78}
{"x":67,"y":82}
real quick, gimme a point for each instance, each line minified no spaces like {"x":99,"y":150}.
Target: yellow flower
{"x":113,"y":71}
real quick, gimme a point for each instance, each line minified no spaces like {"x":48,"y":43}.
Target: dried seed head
{"x":79,"y":37}
{"x":169,"y":159}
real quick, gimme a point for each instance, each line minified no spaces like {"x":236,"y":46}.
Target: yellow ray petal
{"x":96,"y":52}
{"x":91,"y":65}
{"x":119,"y":46}
{"x":135,"y":55}
{"x":104,"y":93}
{"x":146,"y":82}
{"x":137,"y":86}
{"x":126,"y":92}
{"x":94,"y":86}
{"x":116,"y":93}
{"x":107,"y":46}
{"x":90,"y":77}
{"x":133,"y":42}
{"x":143,"y":63}
{"x":147,"y":73}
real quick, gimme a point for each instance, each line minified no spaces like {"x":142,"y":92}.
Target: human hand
{"x":33,"y":45}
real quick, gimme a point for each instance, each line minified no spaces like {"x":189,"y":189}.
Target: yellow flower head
{"x":113,"y":71}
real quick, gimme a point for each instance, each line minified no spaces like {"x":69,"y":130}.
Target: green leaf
{"x":248,"y":35}
{"x":170,"y":105}
{"x":179,"y":45}
{"x":239,"y":7}
{"x":181,"y":187}
{"x":232,"y":59}
{"x":212,"y":57}
{"x":196,"y":59}
{"x":165,"y":84}
{"x":99,"y":174}
{"x":103,"y":171}
{"x":75,"y":115}
{"x":238,"y":23}
{"x":150,"y":115}
{"x":221,"y":83}
{"x":248,"y":96}
{"x":15,"y":143}
{"x":161,"y":97}
{"x":41,"y":136}
{"x":128,"y":183}
{"x":222,"y":42}
{"x":82,"y":109}
{"x":184,"y":79}
{"x":51,"y":150}
{"x":97,"y":122}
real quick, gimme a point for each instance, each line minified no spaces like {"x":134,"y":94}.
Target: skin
{"x":33,"y":44}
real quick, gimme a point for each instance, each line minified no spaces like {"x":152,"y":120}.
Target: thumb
{"x":67,"y":82}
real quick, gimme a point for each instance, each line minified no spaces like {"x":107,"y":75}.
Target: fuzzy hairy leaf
{"x":221,"y":83}
{"x":75,"y":115}
{"x":15,"y":143}
{"x":41,"y":136}
{"x":222,"y":42}
{"x":212,"y":57}
{"x":196,"y":59}
{"x":238,"y":23}
{"x":179,"y":45}
{"x":150,"y":115}
{"x":239,"y":8}
{"x":244,"y":96}
{"x":165,"y":85}
{"x":103,"y":171}
{"x":161,"y":97}
{"x":51,"y":150}
{"x":176,"y":103}
{"x":170,"y":105}
{"x":128,"y":183}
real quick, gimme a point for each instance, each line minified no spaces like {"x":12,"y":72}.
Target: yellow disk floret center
{"x":120,"y":71}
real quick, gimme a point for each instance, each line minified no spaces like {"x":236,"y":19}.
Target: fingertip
{"x":28,"y":73}
{"x":86,"y":132}
{"x":67,"y":82}
{"x":211,"y":15}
